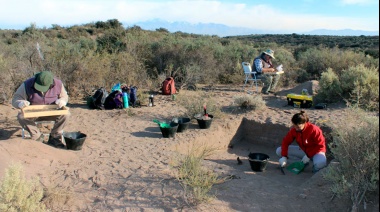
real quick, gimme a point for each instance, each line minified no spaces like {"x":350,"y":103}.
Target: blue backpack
{"x":114,"y":100}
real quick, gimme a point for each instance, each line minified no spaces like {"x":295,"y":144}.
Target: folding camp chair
{"x":249,"y":76}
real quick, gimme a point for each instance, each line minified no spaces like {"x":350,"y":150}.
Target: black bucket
{"x":74,"y":140}
{"x":205,"y":124}
{"x":183,"y":124}
{"x":169,"y":132}
{"x":258,"y":161}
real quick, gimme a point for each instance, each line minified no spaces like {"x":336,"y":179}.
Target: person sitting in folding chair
{"x":266,"y":71}
{"x":42,"y":89}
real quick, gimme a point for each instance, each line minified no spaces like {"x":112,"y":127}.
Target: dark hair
{"x":300,"y":118}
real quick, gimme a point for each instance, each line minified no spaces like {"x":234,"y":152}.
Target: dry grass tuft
{"x":195,"y":178}
{"x":250,"y":102}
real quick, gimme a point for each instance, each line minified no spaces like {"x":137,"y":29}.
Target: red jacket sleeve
{"x":286,"y":141}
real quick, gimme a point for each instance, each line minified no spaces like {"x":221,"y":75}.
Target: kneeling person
{"x":310,"y":140}
{"x":42,"y":89}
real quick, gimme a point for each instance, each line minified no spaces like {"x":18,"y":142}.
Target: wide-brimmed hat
{"x":270,"y":52}
{"x":43,"y":81}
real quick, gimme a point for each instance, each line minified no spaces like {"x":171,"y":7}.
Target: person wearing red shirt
{"x":310,"y":140}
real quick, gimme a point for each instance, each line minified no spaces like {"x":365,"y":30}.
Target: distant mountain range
{"x":224,"y":30}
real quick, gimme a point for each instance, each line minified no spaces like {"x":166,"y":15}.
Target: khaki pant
{"x":29,"y":125}
{"x":270,"y":82}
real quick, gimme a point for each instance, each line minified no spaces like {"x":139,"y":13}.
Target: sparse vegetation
{"x":193,"y":102}
{"x":18,"y":193}
{"x":355,"y":147}
{"x":195,"y":178}
{"x":251,"y":102}
{"x":56,"y":198}
{"x":104,"y":53}
{"x":358,"y":86}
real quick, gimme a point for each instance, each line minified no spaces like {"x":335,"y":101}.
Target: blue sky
{"x":288,"y":16}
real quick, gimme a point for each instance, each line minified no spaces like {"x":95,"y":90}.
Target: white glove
{"x":283,"y":161}
{"x":23,"y":104}
{"x":305,"y":159}
{"x":60,"y":103}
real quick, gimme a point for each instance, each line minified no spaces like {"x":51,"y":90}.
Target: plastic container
{"x":125,"y":100}
{"x":183,"y":124}
{"x":205,"y":123}
{"x":296,"y":167}
{"x":74,"y":140}
{"x":258,"y":161}
{"x":151,"y":101}
{"x":170,"y":130}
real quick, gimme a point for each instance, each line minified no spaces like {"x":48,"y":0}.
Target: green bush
{"x":19,"y":194}
{"x":329,"y":87}
{"x":355,"y":147}
{"x":360,"y":86}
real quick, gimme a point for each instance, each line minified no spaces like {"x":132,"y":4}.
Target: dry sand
{"x":124,"y":164}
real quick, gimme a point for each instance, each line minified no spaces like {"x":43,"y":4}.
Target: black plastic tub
{"x":258,"y":161}
{"x":183,"y":124}
{"x":205,"y":123}
{"x":74,"y":140}
{"x":169,"y":132}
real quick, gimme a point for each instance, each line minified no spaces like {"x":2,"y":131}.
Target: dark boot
{"x":55,"y":142}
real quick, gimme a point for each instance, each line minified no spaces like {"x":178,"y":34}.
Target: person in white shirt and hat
{"x":265,"y":70}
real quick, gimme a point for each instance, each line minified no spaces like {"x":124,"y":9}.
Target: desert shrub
{"x":360,"y":85}
{"x":251,"y":102}
{"x":317,"y":60}
{"x":19,"y":194}
{"x":355,"y":146}
{"x":193,"y":102}
{"x":111,"y":41}
{"x":293,"y":77}
{"x":329,"y":87}
{"x":195,"y":178}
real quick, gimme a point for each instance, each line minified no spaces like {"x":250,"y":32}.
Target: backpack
{"x":168,"y":86}
{"x":133,"y":96}
{"x":114,"y":100}
{"x":97,"y":100}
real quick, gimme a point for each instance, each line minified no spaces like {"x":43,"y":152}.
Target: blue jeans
{"x":295,"y":152}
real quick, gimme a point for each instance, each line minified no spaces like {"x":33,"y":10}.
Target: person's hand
{"x":283,"y":161}
{"x":23,"y":104}
{"x":305,"y":159}
{"x":60,"y":103}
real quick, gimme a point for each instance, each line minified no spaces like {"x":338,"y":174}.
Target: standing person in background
{"x":266,"y":71}
{"x":310,"y":140}
{"x":42,"y":89}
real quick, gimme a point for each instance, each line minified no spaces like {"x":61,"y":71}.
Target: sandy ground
{"x":124,"y":164}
